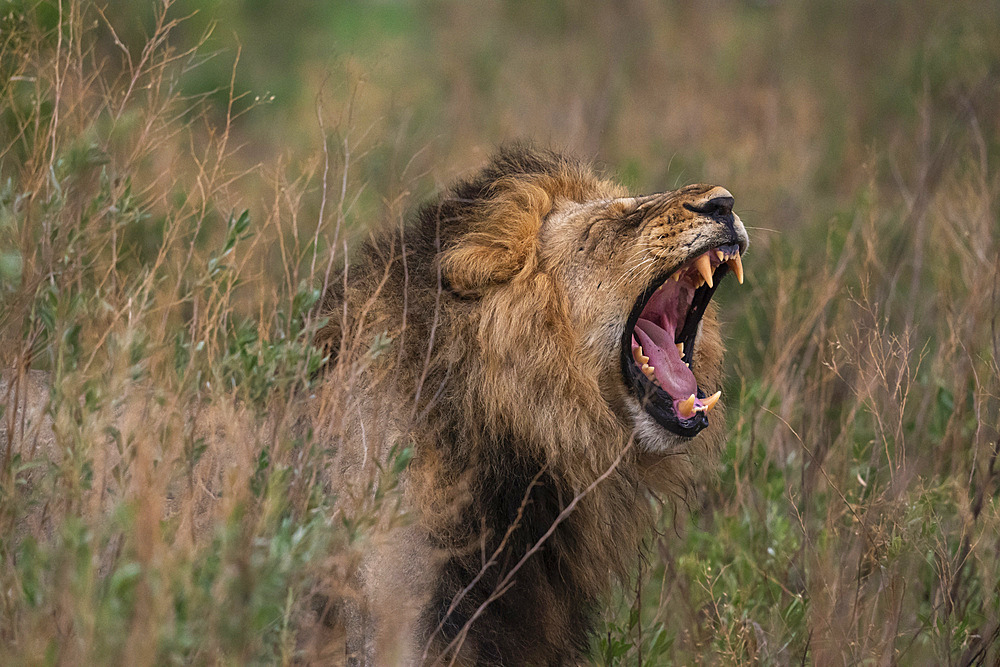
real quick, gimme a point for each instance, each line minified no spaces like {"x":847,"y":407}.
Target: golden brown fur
{"x":506,"y":303}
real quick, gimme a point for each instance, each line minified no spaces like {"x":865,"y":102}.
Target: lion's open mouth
{"x":660,"y":337}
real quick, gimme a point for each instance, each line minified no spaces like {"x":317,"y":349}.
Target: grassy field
{"x":178,"y":182}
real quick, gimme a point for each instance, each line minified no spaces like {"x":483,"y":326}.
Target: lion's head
{"x":587,"y":293}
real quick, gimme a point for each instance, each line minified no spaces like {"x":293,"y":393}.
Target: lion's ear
{"x":500,"y":244}
{"x":469,"y":268}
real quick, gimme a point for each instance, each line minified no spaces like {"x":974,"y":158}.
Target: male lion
{"x":553,"y":365}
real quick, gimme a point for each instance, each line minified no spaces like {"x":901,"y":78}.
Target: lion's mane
{"x":509,"y":418}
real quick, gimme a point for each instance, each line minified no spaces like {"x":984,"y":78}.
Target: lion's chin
{"x":650,"y":436}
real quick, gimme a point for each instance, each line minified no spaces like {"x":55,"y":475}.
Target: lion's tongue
{"x":658,"y":344}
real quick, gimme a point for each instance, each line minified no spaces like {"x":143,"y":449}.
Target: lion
{"x":553,"y":360}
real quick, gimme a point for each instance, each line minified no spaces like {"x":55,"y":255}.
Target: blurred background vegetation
{"x":854,"y":515}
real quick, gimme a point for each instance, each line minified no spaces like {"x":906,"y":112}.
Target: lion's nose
{"x":719,"y":206}
{"x":717,"y":201}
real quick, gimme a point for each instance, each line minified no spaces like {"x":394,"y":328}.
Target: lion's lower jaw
{"x":650,"y":436}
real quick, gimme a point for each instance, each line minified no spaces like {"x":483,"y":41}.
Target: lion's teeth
{"x":721,"y":255}
{"x":708,"y":403}
{"x":704,"y":266}
{"x":677,"y":276}
{"x":736,"y":264}
{"x":686,"y":407}
{"x":680,"y":348}
{"x":639,"y":357}
{"x":648,"y":370}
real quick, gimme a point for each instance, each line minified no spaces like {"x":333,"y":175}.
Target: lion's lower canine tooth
{"x":710,"y":402}
{"x":686,"y":407}
{"x":736,"y":264}
{"x":704,"y":266}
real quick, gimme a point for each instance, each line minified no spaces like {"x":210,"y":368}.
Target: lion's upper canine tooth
{"x":686,"y":407}
{"x":736,"y":264}
{"x":704,"y":266}
{"x":710,"y":402}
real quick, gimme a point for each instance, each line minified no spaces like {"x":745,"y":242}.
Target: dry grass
{"x":174,"y":382}
{"x":855,"y":515}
